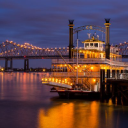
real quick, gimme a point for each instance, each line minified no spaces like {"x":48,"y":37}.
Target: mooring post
{"x":113,"y":93}
{"x":108,"y":85}
{"x":122,"y":71}
{"x":124,"y":96}
{"x":118,"y":94}
{"x":102,"y":83}
{"x":117,"y":74}
{"x":113,"y":73}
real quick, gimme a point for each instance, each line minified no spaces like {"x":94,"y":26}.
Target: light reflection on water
{"x":25,"y":102}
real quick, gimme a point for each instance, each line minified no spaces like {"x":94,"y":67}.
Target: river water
{"x":26,"y":103}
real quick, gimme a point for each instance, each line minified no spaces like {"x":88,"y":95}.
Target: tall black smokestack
{"x":70,"y":37}
{"x":107,"y":45}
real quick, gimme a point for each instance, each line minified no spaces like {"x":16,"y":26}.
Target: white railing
{"x":97,"y":48}
{"x":116,"y":63}
{"x":90,"y":47}
{"x":91,"y":61}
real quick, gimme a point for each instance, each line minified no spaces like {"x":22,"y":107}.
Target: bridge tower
{"x":26,"y":64}
{"x":70,"y":37}
{"x":6,"y":64}
{"x":107,"y":45}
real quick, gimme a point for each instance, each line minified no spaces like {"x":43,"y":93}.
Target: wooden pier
{"x":119,"y":90}
{"x":114,"y":87}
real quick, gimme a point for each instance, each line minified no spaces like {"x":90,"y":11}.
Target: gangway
{"x":56,"y":84}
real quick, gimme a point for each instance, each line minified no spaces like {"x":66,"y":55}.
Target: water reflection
{"x":25,"y":102}
{"x":22,"y":86}
{"x":57,"y":116}
{"x":79,"y":114}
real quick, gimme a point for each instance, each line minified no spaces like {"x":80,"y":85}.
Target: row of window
{"x":93,"y":45}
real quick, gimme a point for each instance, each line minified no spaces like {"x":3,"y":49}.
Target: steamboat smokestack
{"x":107,"y":45}
{"x":70,"y":37}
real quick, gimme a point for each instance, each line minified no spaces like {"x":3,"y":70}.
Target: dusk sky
{"x":44,"y":23}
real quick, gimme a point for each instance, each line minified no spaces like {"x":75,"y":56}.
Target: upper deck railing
{"x":92,"y":48}
{"x":91,"y":61}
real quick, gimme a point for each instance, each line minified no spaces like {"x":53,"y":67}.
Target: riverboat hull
{"x":74,"y":94}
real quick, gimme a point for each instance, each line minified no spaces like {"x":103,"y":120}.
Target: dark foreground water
{"x":26,"y":103}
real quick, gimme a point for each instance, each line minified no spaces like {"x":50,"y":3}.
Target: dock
{"x":113,"y":87}
{"x":119,"y":91}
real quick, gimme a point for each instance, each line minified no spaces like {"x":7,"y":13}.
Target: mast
{"x":77,"y":61}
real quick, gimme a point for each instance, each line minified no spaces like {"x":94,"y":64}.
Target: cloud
{"x":46,"y":21}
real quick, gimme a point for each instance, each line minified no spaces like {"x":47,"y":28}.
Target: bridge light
{"x":24,"y":56}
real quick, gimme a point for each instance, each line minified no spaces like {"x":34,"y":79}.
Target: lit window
{"x":91,"y":44}
{"x":96,"y":44}
{"x":87,"y":44}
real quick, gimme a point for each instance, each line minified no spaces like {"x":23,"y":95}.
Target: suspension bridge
{"x":10,"y":50}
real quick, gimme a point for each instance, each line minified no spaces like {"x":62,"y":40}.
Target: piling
{"x":102,"y":83}
{"x":113,"y":73}
{"x":108,"y":85}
